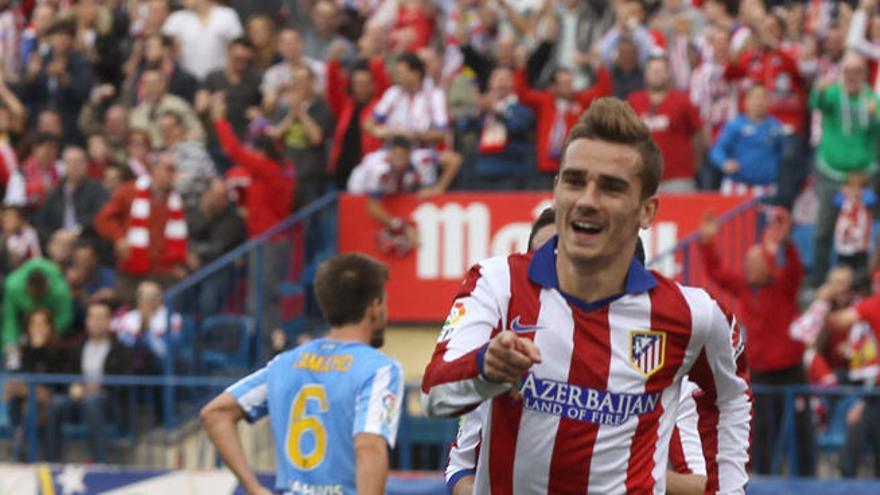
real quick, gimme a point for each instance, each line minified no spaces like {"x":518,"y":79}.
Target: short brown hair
{"x":347,"y":284}
{"x":611,"y":119}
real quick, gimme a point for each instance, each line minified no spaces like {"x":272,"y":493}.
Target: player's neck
{"x":591,"y":282}
{"x":354,"y":332}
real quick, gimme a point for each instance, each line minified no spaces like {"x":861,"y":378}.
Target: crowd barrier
{"x":45,"y":479}
{"x":225,"y":313}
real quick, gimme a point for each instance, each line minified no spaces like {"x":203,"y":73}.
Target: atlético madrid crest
{"x":647,"y":350}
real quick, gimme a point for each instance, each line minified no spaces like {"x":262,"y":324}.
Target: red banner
{"x":459,"y":229}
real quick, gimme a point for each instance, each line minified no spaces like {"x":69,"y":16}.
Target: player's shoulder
{"x":367,"y":359}
{"x":699,"y":304}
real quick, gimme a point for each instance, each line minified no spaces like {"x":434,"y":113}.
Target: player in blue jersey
{"x":333,"y":404}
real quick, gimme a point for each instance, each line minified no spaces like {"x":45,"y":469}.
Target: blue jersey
{"x":318,"y":397}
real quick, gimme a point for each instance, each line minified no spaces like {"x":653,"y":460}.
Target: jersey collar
{"x":542,"y":271}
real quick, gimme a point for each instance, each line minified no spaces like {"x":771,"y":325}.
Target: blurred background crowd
{"x":142,"y":139}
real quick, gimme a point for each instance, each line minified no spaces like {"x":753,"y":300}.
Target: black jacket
{"x":117,"y":362}
{"x":88,"y":199}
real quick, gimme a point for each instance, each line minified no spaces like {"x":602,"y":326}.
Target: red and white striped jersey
{"x":685,"y":451}
{"x":597,"y":414}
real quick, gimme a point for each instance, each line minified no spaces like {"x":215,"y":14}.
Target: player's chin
{"x":377,"y":338}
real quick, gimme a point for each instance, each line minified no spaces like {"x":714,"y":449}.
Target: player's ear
{"x":648,"y":211}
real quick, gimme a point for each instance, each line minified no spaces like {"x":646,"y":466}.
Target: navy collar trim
{"x":542,"y":271}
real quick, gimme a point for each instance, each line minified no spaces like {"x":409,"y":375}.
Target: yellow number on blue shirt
{"x":301,"y":423}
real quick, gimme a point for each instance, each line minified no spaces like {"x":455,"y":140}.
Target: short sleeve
{"x":252,"y":394}
{"x":379,"y":402}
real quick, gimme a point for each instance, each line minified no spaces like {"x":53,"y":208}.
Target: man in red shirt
{"x":352,"y":98}
{"x":675,"y":126}
{"x":766,"y":302}
{"x":557,"y":110}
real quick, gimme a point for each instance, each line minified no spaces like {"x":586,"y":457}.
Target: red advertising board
{"x":457,"y":230}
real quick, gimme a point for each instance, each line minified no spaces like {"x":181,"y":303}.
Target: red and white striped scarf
{"x":138,"y":235}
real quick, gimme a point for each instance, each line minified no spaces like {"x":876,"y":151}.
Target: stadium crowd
{"x":142,"y":139}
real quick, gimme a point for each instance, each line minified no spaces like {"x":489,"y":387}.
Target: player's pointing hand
{"x":508,"y":357}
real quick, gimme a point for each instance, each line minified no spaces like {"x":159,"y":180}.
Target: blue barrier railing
{"x":738,"y":229}
{"x":422,"y":443}
{"x":264,"y":283}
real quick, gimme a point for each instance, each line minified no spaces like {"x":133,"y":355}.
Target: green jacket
{"x":849,"y":132}
{"x":17,"y":304}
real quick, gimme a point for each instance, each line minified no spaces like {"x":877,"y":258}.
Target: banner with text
{"x":457,"y":230}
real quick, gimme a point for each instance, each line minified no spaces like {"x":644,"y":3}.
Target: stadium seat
{"x":225,"y":342}
{"x":833,"y":438}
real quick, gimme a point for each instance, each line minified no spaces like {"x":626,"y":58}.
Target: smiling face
{"x":599,"y":203}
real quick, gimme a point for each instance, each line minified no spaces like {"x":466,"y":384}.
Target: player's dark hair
{"x":547,"y":217}
{"x":611,"y":119}
{"x":413,"y":62}
{"x":347,"y":284}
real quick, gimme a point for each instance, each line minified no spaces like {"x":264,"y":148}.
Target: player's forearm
{"x":371,"y":467}
{"x":220,"y":424}
{"x":685,"y":484}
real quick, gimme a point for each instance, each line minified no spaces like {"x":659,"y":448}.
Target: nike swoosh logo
{"x":517,"y":327}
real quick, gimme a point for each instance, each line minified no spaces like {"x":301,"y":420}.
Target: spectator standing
{"x":352,"y":100}
{"x":269,"y":195}
{"x":771,"y":64}
{"x":627,"y":76}
{"x":281,"y":74}
{"x":766,"y":300}
{"x":101,"y":116}
{"x":61,"y":79}
{"x":557,"y":109}
{"x":159,"y":54}
{"x":142,"y":330}
{"x":41,"y":353}
{"x":192,"y":163}
{"x":261,"y":33}
{"x":145,"y":221}
{"x":138,"y":147}
{"x":202,"y":31}
{"x":852,"y":230}
{"x":156,"y":101}
{"x":304,"y":122}
{"x":850,"y":129}
{"x":215,"y":227}
{"x":400,"y":169}
{"x":36,"y":284}
{"x":411,"y":107}
{"x":100,"y":354}
{"x":268,"y":200}
{"x":749,"y":149}
{"x":75,"y":201}
{"x":13,"y":116}
{"x":716,"y":97}
{"x":239,"y":82}
{"x":98,"y":280}
{"x":20,"y":240}
{"x":322,"y":32}
{"x":505,"y":152}
{"x":675,"y":126}
{"x":39,"y":173}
